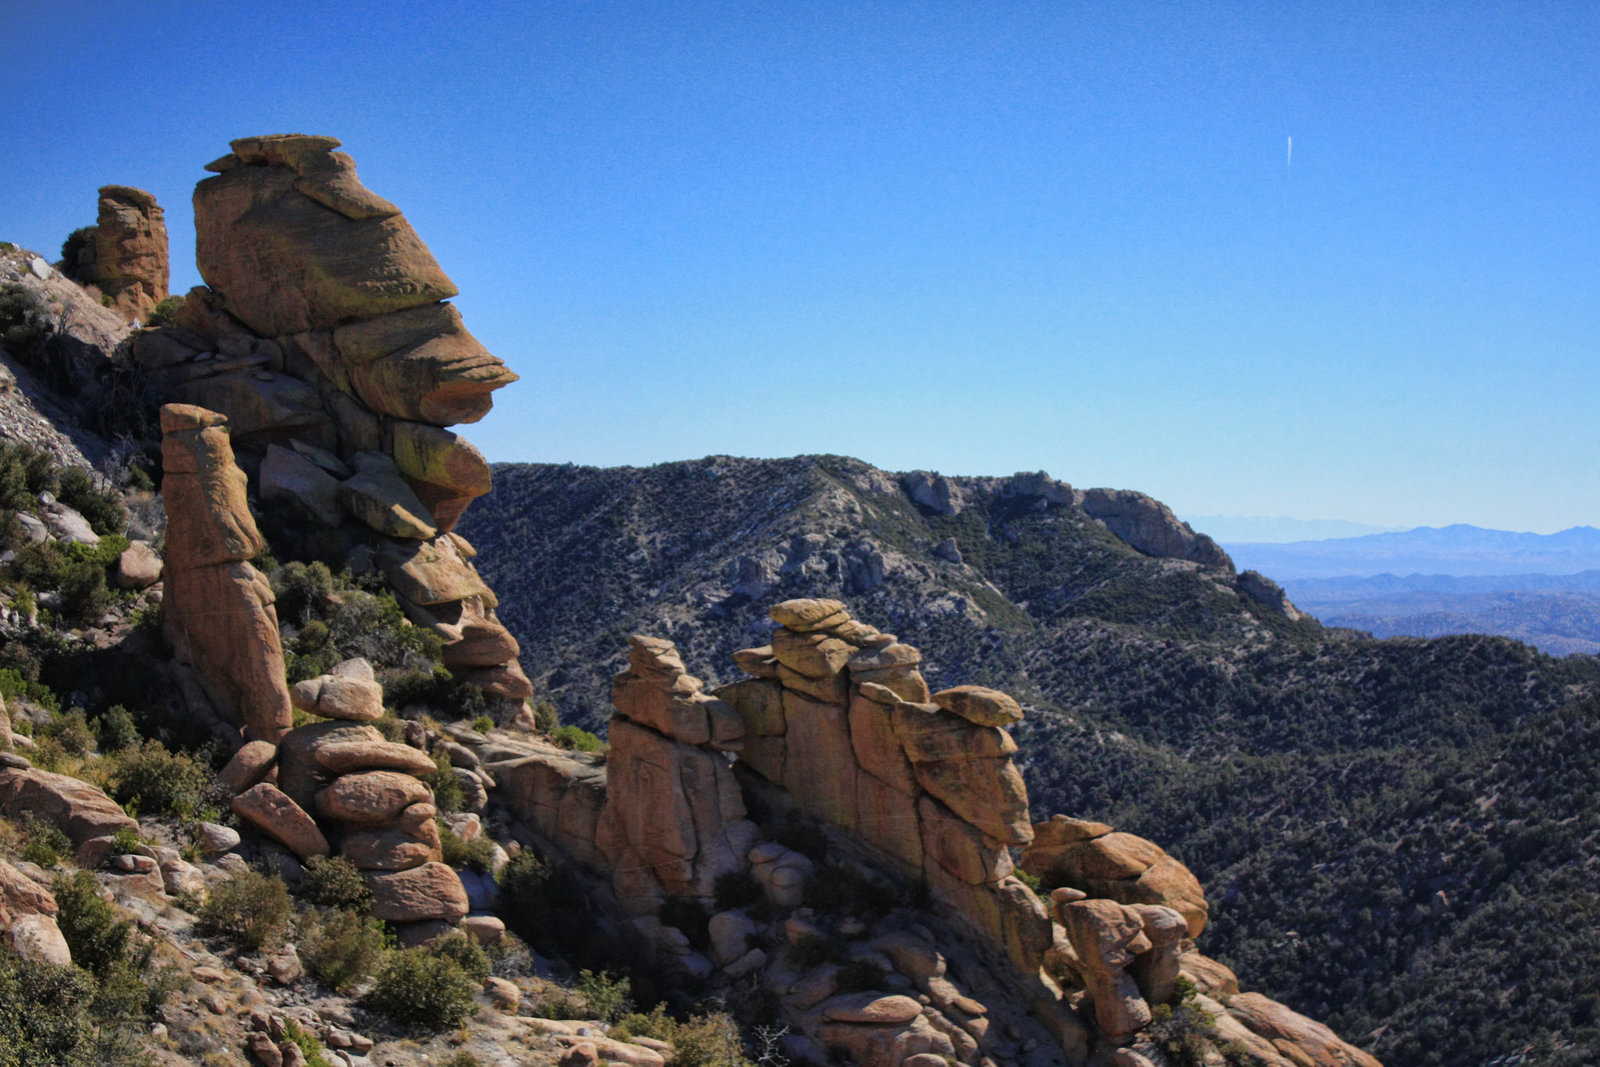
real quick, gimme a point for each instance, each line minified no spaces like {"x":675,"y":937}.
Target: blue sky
{"x":969,"y":238}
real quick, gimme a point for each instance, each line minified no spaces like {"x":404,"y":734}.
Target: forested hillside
{"x":1327,"y":787}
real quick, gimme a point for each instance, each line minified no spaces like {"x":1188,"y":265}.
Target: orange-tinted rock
{"x":392,"y":849}
{"x":351,"y":756}
{"x":431,"y":891}
{"x":218,"y":608}
{"x":804,"y":615}
{"x":980,"y":705}
{"x":444,"y":470}
{"x":989,"y":794}
{"x":1107,"y":937}
{"x":75,"y":807}
{"x":1119,"y":866}
{"x":420,"y":364}
{"x":371,"y":798}
{"x":820,"y":768}
{"x":21,"y":895}
{"x":248,"y":766}
{"x":130,"y":251}
{"x":269,"y":810}
{"x":505,"y":681}
{"x":430,"y":572}
{"x":1293,"y":1033}
{"x":285,"y":263}
{"x":300,"y":775}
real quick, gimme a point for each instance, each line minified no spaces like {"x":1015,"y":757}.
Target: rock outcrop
{"x":326,"y":339}
{"x":219,"y":612}
{"x":128,"y":258}
{"x":1152,"y":528}
{"x":904,"y":788}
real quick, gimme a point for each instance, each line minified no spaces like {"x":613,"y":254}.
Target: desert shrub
{"x":462,"y":1058}
{"x":22,"y":327}
{"x":116,"y":729}
{"x":126,"y":841}
{"x":860,"y":976}
{"x":162,"y":314}
{"x":465,"y":953}
{"x":70,"y":729}
{"x":483,"y":724}
{"x":97,"y":938}
{"x":544,"y":717}
{"x":577,"y":739}
{"x":24,"y":474}
{"x":308,"y":1043}
{"x":44,"y":1017}
{"x":813,"y":951}
{"x":101,"y":507}
{"x":250,"y":909}
{"x":476,"y":855}
{"x":596,"y":995}
{"x":158,"y":781}
{"x":72,"y":249}
{"x":301,"y":588}
{"x":447,"y":793}
{"x":14,"y":684}
{"x":708,"y":1041}
{"x":341,"y":947}
{"x":542,"y":903}
{"x":422,"y":990}
{"x":334,"y":882}
{"x":43,"y":842}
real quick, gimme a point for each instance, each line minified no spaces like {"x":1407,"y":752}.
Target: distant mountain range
{"x":1458,"y":550}
{"x":1543,"y":589}
{"x":1277,"y":528}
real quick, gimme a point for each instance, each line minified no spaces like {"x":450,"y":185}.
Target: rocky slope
{"x":1168,"y":696}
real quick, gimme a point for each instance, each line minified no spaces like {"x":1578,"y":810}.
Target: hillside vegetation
{"x":1327,"y":787}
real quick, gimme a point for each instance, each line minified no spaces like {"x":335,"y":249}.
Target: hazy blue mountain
{"x":1451,"y":550}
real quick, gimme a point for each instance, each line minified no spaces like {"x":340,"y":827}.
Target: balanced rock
{"x":138,"y":567}
{"x":271,"y":811}
{"x":331,"y":696}
{"x":977,"y":704}
{"x":431,"y":891}
{"x":371,"y":798}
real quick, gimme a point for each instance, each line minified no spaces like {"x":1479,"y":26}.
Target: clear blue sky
{"x":975,"y":238}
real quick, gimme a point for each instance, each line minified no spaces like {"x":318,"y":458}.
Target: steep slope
{"x":1166,"y":698}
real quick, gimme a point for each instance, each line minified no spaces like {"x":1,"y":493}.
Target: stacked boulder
{"x":326,"y":338}
{"x":366,"y":791}
{"x":674,"y":819}
{"x":841,"y":718}
{"x":218,"y":609}
{"x":1102,"y":862}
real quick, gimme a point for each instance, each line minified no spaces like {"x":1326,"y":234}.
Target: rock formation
{"x":909,"y":788}
{"x":325,"y":338}
{"x":219,"y":614}
{"x":128,"y":259}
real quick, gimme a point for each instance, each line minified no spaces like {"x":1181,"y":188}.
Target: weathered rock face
{"x":325,"y":340}
{"x":1152,"y":528}
{"x":674,"y":819}
{"x":293,"y":243}
{"x":219,"y":614}
{"x":130,"y":251}
{"x":1122,"y":867}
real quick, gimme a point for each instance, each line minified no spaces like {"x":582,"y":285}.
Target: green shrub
{"x":483,"y":724}
{"x":422,"y":990}
{"x":72,"y":249}
{"x":126,"y":841}
{"x":544,"y":717}
{"x":13,"y":685}
{"x":708,"y":1041}
{"x":577,"y":739}
{"x":44,"y":1014}
{"x":250,"y":909}
{"x":160,"y":782}
{"x":43,"y":842}
{"x":342,"y":948}
{"x":301,"y":588}
{"x":101,"y":507}
{"x":334,"y":882}
{"x":447,"y":793}
{"x":543,"y":903}
{"x":597,"y":995}
{"x":116,"y":729}
{"x":70,"y":729}
{"x":162,"y":314}
{"x":24,"y":474}
{"x":476,"y":855}
{"x":309,"y":1044}
{"x":465,"y":953}
{"x":97,"y":938}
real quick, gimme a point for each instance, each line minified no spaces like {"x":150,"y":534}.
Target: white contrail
{"x":1288,"y":159}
